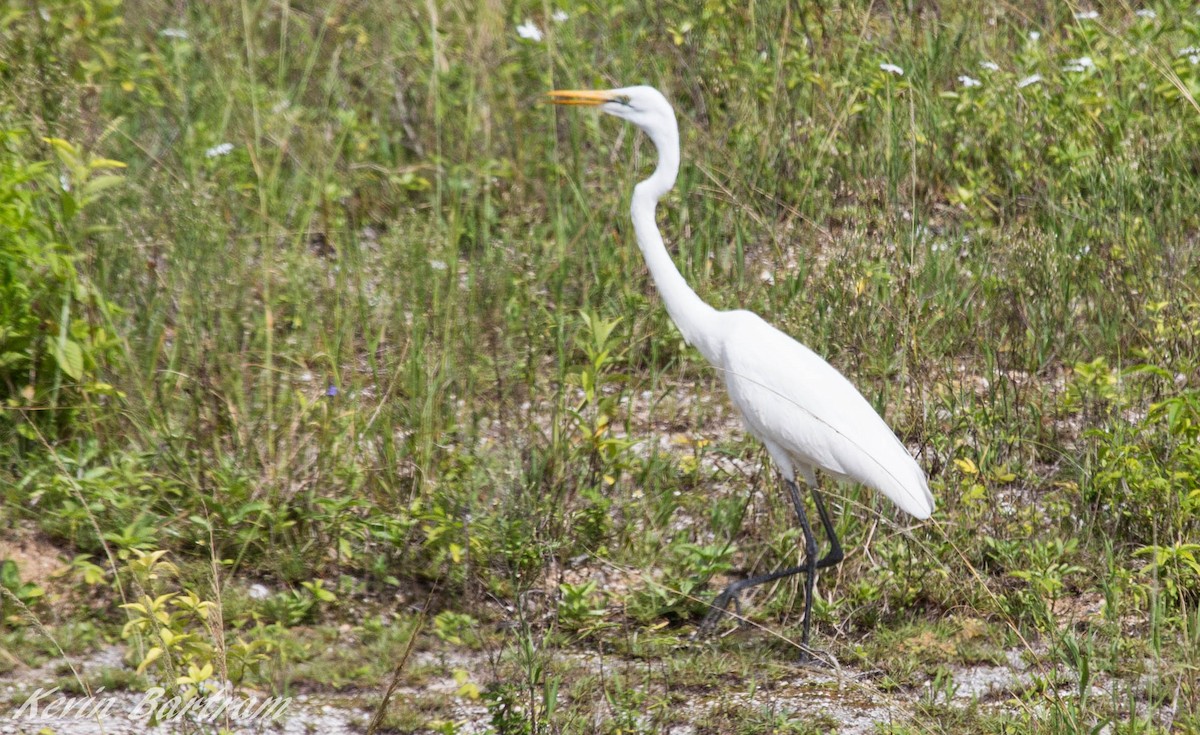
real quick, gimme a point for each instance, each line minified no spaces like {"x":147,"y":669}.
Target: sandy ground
{"x":846,"y":697}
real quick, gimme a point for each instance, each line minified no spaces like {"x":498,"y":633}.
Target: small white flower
{"x":1034,"y":35}
{"x":1083,"y":63}
{"x":219,"y":150}
{"x":892,"y":69}
{"x":990,"y":65}
{"x":559,"y":16}
{"x":1146,"y":13}
{"x":1189,"y":51}
{"x":438,"y":265}
{"x":258,"y":592}
{"x":174,"y":33}
{"x":1194,"y":59}
{"x":967,"y":81}
{"x":1087,"y":15}
{"x":529,"y":31}
{"x":64,"y":182}
{"x":1031,"y":79}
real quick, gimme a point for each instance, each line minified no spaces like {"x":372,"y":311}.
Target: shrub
{"x":52,"y":336}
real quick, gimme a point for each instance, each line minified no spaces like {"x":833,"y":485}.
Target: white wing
{"x":792,"y":398}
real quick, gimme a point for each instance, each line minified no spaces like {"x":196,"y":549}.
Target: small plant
{"x":591,"y":523}
{"x":447,"y":541}
{"x":170,"y":633}
{"x":505,"y":712}
{"x":1177,"y":568}
{"x":682,"y":591}
{"x":294,"y":607}
{"x":16,"y":596}
{"x":598,"y":405}
{"x":243,"y":657}
{"x":1079,"y":655}
{"x":52,"y":319}
{"x":581,"y":607}
{"x":115,"y":493}
{"x":941,"y":686}
{"x":537,"y":700}
{"x":1044,"y":566}
{"x":320,"y":595}
{"x":456,"y":628}
{"x":86,"y":571}
{"x":1095,"y":386}
{"x":1146,"y":475}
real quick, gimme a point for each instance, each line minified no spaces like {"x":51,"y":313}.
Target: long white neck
{"x":687,"y":310}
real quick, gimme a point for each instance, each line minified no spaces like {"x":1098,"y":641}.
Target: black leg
{"x":809,"y":567}
{"x":835,"y":555}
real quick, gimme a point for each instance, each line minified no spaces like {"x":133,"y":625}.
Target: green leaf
{"x":70,"y":206}
{"x":66,"y":152}
{"x":152,"y":655}
{"x":69,"y":356}
{"x":8,"y":574}
{"x":105,"y":163}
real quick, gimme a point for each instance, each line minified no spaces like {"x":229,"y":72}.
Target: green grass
{"x":398,"y":340}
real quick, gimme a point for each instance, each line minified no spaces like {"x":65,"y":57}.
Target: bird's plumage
{"x":808,"y":414}
{"x":803,"y":410}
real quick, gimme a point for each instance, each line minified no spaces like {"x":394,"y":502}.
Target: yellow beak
{"x":580,"y":97}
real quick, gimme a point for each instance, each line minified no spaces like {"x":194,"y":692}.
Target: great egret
{"x":805,"y":412}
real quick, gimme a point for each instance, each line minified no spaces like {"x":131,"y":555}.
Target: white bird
{"x":803,"y":410}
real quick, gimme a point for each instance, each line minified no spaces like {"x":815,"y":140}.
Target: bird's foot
{"x":717,"y":610}
{"x":812,"y":658}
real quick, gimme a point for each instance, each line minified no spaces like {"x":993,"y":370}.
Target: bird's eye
{"x":623,"y":99}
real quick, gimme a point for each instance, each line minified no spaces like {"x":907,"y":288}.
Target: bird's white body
{"x":805,"y":412}
{"x":808,"y":415}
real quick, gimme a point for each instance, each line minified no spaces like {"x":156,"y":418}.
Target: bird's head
{"x":645,"y":107}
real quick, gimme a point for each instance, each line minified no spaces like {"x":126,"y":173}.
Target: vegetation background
{"x":321,"y":336}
